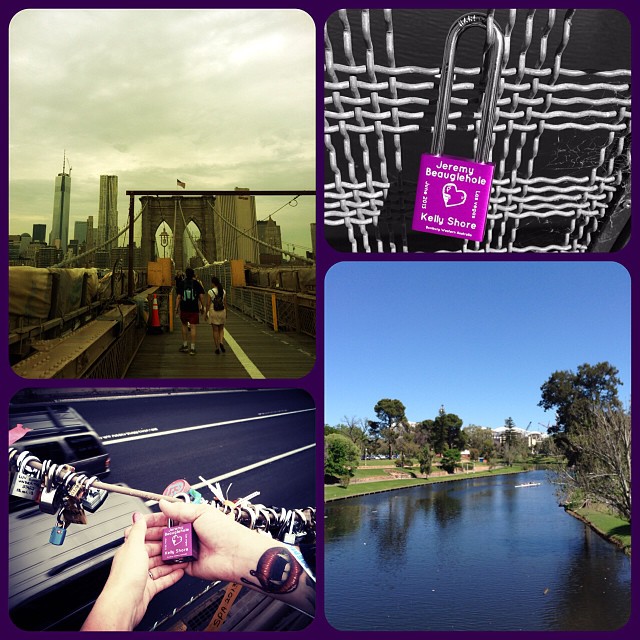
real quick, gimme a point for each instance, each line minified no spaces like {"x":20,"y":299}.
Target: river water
{"x":477,"y":554}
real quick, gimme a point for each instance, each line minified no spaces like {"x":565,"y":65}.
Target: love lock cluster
{"x":58,"y":489}
{"x":291,"y":526}
{"x":62,"y":491}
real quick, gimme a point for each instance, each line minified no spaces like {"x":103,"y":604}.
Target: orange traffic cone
{"x":155,"y":326}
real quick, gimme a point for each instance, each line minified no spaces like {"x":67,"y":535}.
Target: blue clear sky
{"x":480,"y":338}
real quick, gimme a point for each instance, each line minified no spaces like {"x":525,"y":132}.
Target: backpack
{"x":218,"y":300}
{"x":188,"y":291}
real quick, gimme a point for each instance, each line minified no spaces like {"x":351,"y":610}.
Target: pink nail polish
{"x":136,"y":516}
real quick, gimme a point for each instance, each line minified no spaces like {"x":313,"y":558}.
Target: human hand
{"x":231,"y":552}
{"x":137,"y":575}
{"x":225,"y":546}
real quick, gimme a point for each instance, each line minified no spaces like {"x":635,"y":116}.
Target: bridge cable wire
{"x":193,"y":243}
{"x":216,"y":210}
{"x":104,"y":244}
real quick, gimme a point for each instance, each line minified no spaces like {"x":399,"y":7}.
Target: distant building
{"x":32,"y":252}
{"x":108,"y":211}
{"x":120,"y":253}
{"x":234,"y":227}
{"x":80,"y":231}
{"x":270,"y":233}
{"x":14,"y":253}
{"x":102,"y":259}
{"x":59,"y":235}
{"x":39,"y":233}
{"x":532,"y":438}
{"x":91,"y":234}
{"x":48,"y":256}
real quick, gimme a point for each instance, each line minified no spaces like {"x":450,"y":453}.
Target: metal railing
{"x":280,"y":310}
{"x":561,"y":144}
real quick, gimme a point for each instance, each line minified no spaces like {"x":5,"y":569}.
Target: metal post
{"x":131,"y":252}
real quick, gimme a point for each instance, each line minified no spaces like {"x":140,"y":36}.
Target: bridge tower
{"x":170,"y":210}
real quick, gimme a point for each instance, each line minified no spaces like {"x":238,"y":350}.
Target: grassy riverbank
{"x":335,"y":492}
{"x":607,"y":525}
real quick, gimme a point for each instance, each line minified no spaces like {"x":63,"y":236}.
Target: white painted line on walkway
{"x":107,"y":441}
{"x":237,"y":472}
{"x":243,"y":358}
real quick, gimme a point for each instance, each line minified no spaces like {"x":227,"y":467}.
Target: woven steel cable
{"x":537,"y":107}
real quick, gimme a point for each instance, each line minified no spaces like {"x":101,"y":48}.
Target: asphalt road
{"x":155,"y":440}
{"x":249,"y":440}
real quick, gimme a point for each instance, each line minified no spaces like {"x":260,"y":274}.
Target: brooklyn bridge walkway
{"x":253,"y":350}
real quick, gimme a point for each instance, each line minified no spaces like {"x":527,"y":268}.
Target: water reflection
{"x":472,"y":555}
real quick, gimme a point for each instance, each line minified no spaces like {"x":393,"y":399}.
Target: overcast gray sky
{"x":216,"y":98}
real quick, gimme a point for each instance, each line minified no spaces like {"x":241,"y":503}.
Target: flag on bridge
{"x":181,"y":184}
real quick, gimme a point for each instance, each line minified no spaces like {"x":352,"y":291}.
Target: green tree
{"x":390,"y":414}
{"x":423,"y":432}
{"x":450,"y":460}
{"x":480,"y":439}
{"x":447,"y":432}
{"x":425,"y":460}
{"x":340,"y":459}
{"x":406,"y":446}
{"x":573,"y":395}
{"x":353,"y":429}
{"x":510,"y":431}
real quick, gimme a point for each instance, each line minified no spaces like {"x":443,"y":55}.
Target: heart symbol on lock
{"x":176,"y":540}
{"x":452,"y":196}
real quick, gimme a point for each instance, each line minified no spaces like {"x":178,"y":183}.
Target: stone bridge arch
{"x":167,"y":209}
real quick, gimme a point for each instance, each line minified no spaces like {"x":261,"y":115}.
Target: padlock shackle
{"x":487,"y":120}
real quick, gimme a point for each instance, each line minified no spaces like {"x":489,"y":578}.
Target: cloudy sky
{"x":216,"y":98}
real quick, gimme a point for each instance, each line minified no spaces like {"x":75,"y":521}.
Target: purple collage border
{"x":313,"y":383}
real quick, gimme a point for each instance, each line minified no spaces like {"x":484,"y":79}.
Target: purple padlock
{"x":452,"y":198}
{"x":179,"y":541}
{"x":179,"y":544}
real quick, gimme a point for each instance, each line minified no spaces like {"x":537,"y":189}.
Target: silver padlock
{"x":94,"y":499}
{"x":26,"y":481}
{"x":52,"y":494}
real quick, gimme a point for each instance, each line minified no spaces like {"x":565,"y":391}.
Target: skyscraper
{"x":91,"y":234}
{"x":59,"y":235}
{"x":80,"y":231}
{"x":234,"y":226}
{"x":108,"y":211}
{"x":269,"y":232}
{"x":39,"y":232}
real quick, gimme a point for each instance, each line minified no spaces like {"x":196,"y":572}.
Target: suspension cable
{"x":265,"y":244}
{"x":186,"y":228}
{"x":88,"y":253}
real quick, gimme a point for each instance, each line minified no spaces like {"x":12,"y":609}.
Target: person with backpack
{"x":189,"y":303}
{"x":217,"y":313}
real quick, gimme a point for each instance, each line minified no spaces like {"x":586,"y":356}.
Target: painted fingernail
{"x":136,"y":516}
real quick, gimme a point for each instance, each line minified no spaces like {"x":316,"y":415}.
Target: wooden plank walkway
{"x":253,"y":351}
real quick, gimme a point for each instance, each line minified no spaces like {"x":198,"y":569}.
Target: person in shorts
{"x":190,"y":304}
{"x":216,"y":312}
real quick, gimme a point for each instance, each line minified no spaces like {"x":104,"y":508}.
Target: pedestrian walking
{"x":217,"y":313}
{"x":189,"y":304}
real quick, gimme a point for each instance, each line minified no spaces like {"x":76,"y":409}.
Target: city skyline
{"x":209,"y":97}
